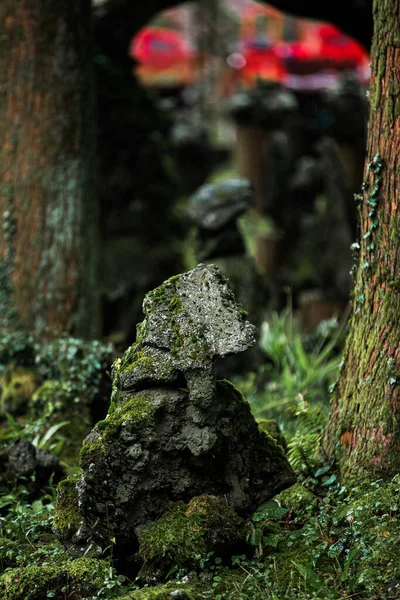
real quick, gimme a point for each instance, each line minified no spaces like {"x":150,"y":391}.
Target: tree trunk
{"x":48,"y":205}
{"x":364,"y":428}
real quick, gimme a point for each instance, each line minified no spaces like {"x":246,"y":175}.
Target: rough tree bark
{"x":364,"y":428}
{"x":48,"y":207}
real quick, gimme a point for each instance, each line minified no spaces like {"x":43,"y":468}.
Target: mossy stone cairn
{"x":172,"y":432}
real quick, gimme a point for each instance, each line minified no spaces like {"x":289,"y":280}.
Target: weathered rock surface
{"x":217,"y":239}
{"x":215,"y":205}
{"x":267,"y":105}
{"x":271,"y":427}
{"x":157,"y":447}
{"x":23,"y":460}
{"x":184,"y":436}
{"x":190,"y":320}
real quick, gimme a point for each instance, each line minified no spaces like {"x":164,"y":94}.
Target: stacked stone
{"x":172,"y":432}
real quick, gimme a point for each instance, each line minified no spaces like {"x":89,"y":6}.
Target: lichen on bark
{"x":48,"y":208}
{"x":364,"y":427}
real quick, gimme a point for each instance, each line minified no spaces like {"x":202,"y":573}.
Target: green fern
{"x":304,"y":445}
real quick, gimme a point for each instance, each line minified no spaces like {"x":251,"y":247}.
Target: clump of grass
{"x":298,"y":369}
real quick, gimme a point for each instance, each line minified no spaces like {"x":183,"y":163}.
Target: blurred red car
{"x":165,"y":58}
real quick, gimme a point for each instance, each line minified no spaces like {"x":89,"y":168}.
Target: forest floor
{"x":318,"y":539}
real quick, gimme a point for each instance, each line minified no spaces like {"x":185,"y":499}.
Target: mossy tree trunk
{"x":364,"y":428}
{"x":48,"y":205}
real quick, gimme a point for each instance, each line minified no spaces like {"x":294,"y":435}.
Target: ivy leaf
{"x":269,"y":510}
{"x":329,"y":481}
{"x":322,"y":470}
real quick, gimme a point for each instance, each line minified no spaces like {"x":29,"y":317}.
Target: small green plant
{"x":29,"y":525}
{"x":112,"y":586}
{"x":299,"y":369}
{"x":305,"y":443}
{"x":43,"y":438}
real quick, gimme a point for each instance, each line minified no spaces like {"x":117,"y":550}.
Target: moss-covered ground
{"x":319,"y":539}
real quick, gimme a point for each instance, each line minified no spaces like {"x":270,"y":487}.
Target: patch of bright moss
{"x":141,"y":357}
{"x":163,"y":592}
{"x":67,"y":517}
{"x":298,"y":499}
{"x":187,"y":533}
{"x":137,"y":354}
{"x":138,"y":412}
{"x":17,"y":385}
{"x":173,"y":539}
{"x":78,"y":579}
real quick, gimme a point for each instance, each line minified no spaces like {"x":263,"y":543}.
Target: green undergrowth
{"x":294,"y":385}
{"x":33,"y":563}
{"x":317,"y":540}
{"x":335,"y":543}
{"x":52,"y":393}
{"x":296,"y":366}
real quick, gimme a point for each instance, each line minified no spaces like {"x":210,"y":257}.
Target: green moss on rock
{"x":271,"y":428}
{"x":137,"y":413}
{"x":168,"y":591}
{"x":78,"y":579}
{"x":17,"y":385}
{"x":190,"y":320}
{"x":346,"y":546}
{"x":155,"y":448}
{"x":138,"y":356}
{"x":298,"y":499}
{"x":67,"y":519}
{"x":187,"y":533}
{"x":172,"y":540}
